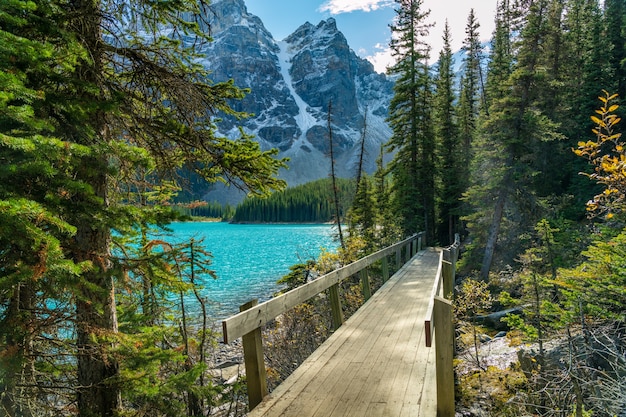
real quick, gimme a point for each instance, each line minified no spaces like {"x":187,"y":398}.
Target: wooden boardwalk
{"x":376,"y":364}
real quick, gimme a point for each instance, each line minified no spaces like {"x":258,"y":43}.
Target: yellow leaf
{"x":613,"y":108}
{"x":597,"y":121}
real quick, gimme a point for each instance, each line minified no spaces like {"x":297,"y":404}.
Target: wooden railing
{"x":253,"y":316}
{"x":439,"y":320}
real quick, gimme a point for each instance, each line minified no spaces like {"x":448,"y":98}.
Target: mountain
{"x":291,"y":84}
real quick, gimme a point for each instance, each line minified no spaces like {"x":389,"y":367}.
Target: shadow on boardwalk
{"x":376,"y":363}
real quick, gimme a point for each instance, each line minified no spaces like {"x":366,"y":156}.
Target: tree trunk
{"x":18,"y":364}
{"x":492,"y":238}
{"x":334,"y":180}
{"x":96,"y":322}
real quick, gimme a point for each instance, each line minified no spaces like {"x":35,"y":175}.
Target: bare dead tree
{"x":362,"y":154}
{"x":333,"y":176}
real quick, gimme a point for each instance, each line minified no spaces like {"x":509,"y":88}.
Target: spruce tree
{"x":505,"y":164}
{"x":615,"y":18}
{"x":362,"y":216}
{"x":118,"y":95}
{"x":451,"y":182}
{"x":577,"y":73}
{"x":34,"y":163}
{"x":387,"y":230}
{"x":410,"y":121}
{"x":472,"y":86}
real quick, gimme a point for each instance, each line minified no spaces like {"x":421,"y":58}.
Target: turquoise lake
{"x":249,"y":258}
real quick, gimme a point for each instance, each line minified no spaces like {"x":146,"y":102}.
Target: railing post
{"x":398,"y":256}
{"x":365,"y":284}
{"x":255,"y":363}
{"x":444,"y":353}
{"x":335,"y":306}
{"x":385,"y":269}
{"x":419,"y":243}
{"x":448,"y":270}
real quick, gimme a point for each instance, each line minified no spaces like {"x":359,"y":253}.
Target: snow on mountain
{"x":292,"y":82}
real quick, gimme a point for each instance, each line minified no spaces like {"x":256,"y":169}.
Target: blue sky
{"x":365,"y":23}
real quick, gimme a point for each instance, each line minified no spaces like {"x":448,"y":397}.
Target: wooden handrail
{"x":253,"y":316}
{"x":261,"y":314}
{"x":439,"y":321}
{"x":428,"y":327}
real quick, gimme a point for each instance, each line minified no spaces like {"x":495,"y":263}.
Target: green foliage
{"x":471,"y":86}
{"x":362,"y":219}
{"x":452,"y":157}
{"x":306,"y":203}
{"x":93,"y":116}
{"x":539,"y":293}
{"x":598,"y":285}
{"x":204,"y":209}
{"x":514,"y":136}
{"x":299,"y":275}
{"x":412,"y":140}
{"x":388,"y":231}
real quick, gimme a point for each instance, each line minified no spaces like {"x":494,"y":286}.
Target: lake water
{"x":249,"y":258}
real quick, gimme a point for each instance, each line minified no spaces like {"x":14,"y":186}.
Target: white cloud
{"x":381,"y":59}
{"x":346,"y":6}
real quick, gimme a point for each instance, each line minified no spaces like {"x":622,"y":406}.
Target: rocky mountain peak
{"x":309,"y":34}
{"x":231,"y":17}
{"x":292,"y":82}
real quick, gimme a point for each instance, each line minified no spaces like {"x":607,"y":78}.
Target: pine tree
{"x":472,"y":87}
{"x":410,"y":120}
{"x":387,"y":230}
{"x":505,"y":164}
{"x":615,"y":18}
{"x":34,"y":267}
{"x":578,"y":70}
{"x":118,"y":98}
{"x":487,"y":154}
{"x":501,"y":56}
{"x":451,"y":181}
{"x":362,"y":216}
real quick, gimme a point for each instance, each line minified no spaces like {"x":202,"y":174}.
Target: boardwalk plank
{"x":376,"y":364}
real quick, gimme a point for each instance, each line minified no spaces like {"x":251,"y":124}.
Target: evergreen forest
{"x":307,"y":203}
{"x":521,"y":154}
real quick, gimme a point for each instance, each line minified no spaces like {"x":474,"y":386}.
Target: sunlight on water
{"x":249,"y":259}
